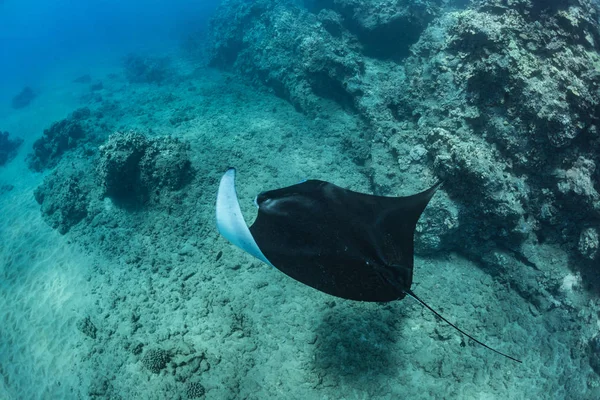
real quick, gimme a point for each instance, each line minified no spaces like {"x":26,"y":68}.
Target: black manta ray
{"x":347,"y":244}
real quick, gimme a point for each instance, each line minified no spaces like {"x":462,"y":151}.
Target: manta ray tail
{"x":414,"y":296}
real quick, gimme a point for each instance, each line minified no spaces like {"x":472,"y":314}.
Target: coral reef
{"x":130,"y":168}
{"x":268,"y":49}
{"x":182,"y":115}
{"x":119,"y":166}
{"x":87,"y":327}
{"x":155,"y":360}
{"x":594,"y":353}
{"x":135,"y":168}
{"x":375,"y":22}
{"x":8,"y":147}
{"x":501,"y":101}
{"x":333,"y":49}
{"x":195,"y":390}
{"x":518,"y":97}
{"x":140,"y":69}
{"x":589,"y":243}
{"x":60,"y":137}
{"x":23,"y":99}
{"x":64,"y":198}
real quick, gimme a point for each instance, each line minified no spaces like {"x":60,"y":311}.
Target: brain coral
{"x":156,"y":360}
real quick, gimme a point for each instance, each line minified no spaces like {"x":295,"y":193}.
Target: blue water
{"x":118,"y":120}
{"x":39,"y":36}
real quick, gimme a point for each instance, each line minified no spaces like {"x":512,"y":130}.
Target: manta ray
{"x":347,"y":244}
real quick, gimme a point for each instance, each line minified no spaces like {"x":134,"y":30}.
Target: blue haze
{"x":37,"y":36}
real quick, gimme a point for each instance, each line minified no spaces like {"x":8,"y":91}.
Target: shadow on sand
{"x":357,"y":344}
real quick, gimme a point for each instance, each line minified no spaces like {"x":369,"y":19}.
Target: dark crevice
{"x":328,"y":88}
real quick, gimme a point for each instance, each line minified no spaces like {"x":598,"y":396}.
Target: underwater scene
{"x":300,"y":199}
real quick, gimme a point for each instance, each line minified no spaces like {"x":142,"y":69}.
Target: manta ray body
{"x":348,"y":244}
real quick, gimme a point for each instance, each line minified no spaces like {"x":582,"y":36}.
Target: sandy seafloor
{"x":241,"y":329}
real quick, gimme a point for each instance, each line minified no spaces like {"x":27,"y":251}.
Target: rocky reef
{"x":8,"y":147}
{"x":320,"y":49}
{"x":65,"y":198}
{"x":156,"y":360}
{"x":134,"y":168}
{"x":131,"y":169}
{"x":23,"y":98}
{"x":139,"y":69}
{"x":499,"y":101}
{"x":60,"y":137}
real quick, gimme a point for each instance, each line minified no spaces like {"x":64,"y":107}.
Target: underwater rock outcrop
{"x":130,"y":168}
{"x":8,"y":147}
{"x":64,"y":197}
{"x":5,"y":188}
{"x":60,"y":137}
{"x":135,"y":168}
{"x":375,"y":23}
{"x":503,"y":100}
{"x":516,"y":117}
{"x":140,"y":69}
{"x":326,"y":49}
{"x":87,"y":327}
{"x":288,"y":49}
{"x":23,"y":99}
